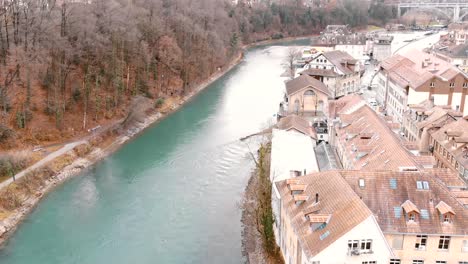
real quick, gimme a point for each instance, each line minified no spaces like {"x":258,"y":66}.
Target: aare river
{"x":172,"y":194}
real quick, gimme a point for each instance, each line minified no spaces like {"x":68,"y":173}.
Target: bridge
{"x":455,"y":10}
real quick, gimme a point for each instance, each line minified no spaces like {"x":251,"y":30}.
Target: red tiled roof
{"x":457,"y":131}
{"x":386,"y":192}
{"x":386,"y":150}
{"x":297,"y":123}
{"x":338,"y":206}
{"x":305,"y":82}
{"x":415,"y":68}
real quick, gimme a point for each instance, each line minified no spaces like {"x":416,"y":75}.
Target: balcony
{"x":358,"y":252}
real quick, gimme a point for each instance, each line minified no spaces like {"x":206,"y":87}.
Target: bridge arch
{"x":454,"y":10}
{"x":431,"y":10}
{"x":462,"y":16}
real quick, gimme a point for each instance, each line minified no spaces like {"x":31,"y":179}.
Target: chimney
{"x":316,"y":198}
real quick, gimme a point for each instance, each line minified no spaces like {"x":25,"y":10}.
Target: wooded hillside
{"x":70,"y":65}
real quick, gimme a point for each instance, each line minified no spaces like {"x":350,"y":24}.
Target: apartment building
{"x":421,"y":219}
{"x":416,"y":76}
{"x":371,"y":217}
{"x":449,"y":146}
{"x":338,"y":70}
{"x":322,"y":220}
{"x":458,"y":33}
{"x":425,"y":118}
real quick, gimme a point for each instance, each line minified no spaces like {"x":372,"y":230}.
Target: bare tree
{"x":292,"y":56}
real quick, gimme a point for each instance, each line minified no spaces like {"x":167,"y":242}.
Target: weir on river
{"x":171,"y":195}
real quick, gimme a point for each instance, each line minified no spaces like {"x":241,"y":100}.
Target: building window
{"x":452,"y":84}
{"x":444,"y":242}
{"x":425,"y":185}
{"x":418,"y":261}
{"x":441,"y":262}
{"x":465,"y":85}
{"x":366,"y":245}
{"x":465,"y":246}
{"x":432,"y":84}
{"x":395,"y":261}
{"x":353,"y":244}
{"x":369,"y":262}
{"x":447,"y":218}
{"x":421,"y":241}
{"x":411,"y":217}
{"x":309,"y":93}
{"x":462,"y":262}
{"x":397,"y":242}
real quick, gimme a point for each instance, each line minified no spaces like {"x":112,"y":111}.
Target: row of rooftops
{"x":342,"y":34}
{"x":454,"y":138}
{"x":445,"y":125}
{"x":324,"y":206}
{"x":455,"y":51}
{"x":426,"y":114}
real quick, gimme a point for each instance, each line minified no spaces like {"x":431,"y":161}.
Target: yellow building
{"x":306,"y":96}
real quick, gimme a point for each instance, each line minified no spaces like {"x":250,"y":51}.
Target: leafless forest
{"x":69,"y":65}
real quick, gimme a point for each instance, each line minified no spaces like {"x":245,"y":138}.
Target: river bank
{"x":258,"y":245}
{"x":78,"y":164}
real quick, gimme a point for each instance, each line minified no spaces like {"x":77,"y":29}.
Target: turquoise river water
{"x":172,"y":194}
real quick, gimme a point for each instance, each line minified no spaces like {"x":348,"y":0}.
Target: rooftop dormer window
{"x":411,"y":211}
{"x":318,"y":221}
{"x":300,"y":198}
{"x":446,"y":212}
